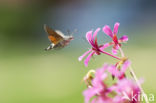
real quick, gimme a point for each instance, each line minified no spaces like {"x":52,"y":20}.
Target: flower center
{"x":96,"y":50}
{"x":115,"y":39}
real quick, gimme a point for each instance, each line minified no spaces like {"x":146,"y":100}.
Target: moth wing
{"x":53,"y":36}
{"x":60,"y":33}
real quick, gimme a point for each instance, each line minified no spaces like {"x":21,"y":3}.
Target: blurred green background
{"x":28,"y":74}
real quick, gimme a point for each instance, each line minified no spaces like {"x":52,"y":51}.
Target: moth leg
{"x":50,"y":47}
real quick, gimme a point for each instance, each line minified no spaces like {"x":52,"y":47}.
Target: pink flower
{"x":127,"y":92}
{"x":98,"y":89}
{"x":113,"y":34}
{"x":96,"y":49}
{"x":119,"y":72}
{"x":123,"y":91}
{"x":92,"y":39}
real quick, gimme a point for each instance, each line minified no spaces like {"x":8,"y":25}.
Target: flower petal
{"x":112,"y":88}
{"x":104,"y":99}
{"x":90,"y":39}
{"x":88,"y":58}
{"x":89,"y":93}
{"x":125,"y":66}
{"x":114,"y":51}
{"x":95,"y":33}
{"x":99,"y":77}
{"x":89,"y":36}
{"x":113,"y":70}
{"x":108,"y":31}
{"x":116,"y":26}
{"x":124,"y":38}
{"x":105,"y":46}
{"x":128,"y":86}
{"x":81,"y":57}
{"x":96,"y":44}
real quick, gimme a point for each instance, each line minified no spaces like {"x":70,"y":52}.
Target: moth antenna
{"x":84,"y":41}
{"x":75,"y":30}
{"x":44,"y":26}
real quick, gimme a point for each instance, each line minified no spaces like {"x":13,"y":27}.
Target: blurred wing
{"x":52,"y":35}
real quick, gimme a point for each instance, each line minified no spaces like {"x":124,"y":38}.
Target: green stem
{"x":135,"y":77}
{"x":138,"y":83}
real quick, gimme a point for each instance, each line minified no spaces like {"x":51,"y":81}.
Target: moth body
{"x":57,"y":38}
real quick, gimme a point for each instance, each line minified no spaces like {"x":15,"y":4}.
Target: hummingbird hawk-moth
{"x":57,"y":38}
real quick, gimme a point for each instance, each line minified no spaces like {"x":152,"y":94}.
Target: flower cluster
{"x":98,"y":90}
{"x":98,"y":49}
{"x":119,"y":92}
